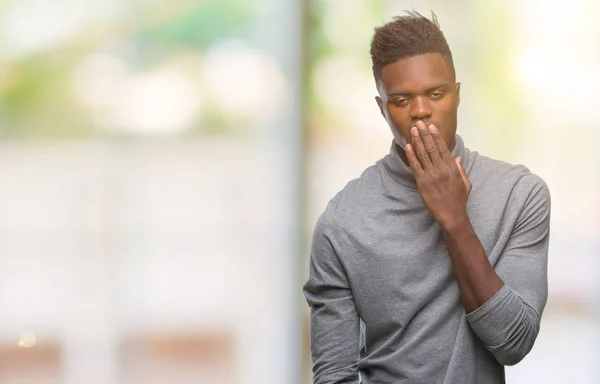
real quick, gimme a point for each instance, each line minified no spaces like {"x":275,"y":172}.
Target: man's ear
{"x":457,"y":94}
{"x":380,"y":104}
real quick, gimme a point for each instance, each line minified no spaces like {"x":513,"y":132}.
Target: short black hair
{"x":406,"y":36}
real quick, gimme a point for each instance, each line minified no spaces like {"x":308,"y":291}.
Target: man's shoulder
{"x":497,"y":174}
{"x":358,"y":192}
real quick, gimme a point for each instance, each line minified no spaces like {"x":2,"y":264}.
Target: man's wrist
{"x":456,"y":225}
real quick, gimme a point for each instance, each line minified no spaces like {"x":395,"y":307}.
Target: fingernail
{"x":414,"y":131}
{"x":407,"y":147}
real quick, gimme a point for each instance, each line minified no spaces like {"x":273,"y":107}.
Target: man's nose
{"x":420,"y":108}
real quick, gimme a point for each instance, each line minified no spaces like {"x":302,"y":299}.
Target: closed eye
{"x":436,"y":95}
{"x":400,"y":102}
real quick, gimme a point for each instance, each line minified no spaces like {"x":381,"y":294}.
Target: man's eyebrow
{"x":430,"y":89}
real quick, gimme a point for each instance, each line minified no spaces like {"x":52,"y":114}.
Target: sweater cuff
{"x":490,"y":320}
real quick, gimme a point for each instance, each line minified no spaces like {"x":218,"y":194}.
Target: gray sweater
{"x":384,"y":302}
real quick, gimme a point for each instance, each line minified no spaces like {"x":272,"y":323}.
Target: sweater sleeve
{"x":334,"y":321}
{"x":509,"y":322}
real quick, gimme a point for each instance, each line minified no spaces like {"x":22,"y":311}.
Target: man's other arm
{"x":334,"y":321}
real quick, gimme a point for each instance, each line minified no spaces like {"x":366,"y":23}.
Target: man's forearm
{"x":476,"y":278}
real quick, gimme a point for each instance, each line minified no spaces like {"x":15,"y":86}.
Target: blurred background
{"x":163,"y":163}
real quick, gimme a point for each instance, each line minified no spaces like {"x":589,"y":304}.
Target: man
{"x":439,"y":251}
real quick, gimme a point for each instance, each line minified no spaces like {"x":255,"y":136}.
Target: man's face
{"x":419,"y":88}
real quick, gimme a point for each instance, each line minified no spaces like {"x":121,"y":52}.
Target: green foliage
{"x":201,"y":26}
{"x":37,"y":100}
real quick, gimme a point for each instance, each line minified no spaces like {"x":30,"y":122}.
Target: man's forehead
{"x":416,"y":72}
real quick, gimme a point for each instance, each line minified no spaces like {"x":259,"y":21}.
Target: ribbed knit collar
{"x":404,"y":174}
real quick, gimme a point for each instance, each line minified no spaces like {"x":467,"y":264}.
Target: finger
{"x":430,"y":145}
{"x":443,"y":149}
{"x":462,"y":171}
{"x":413,"y":160}
{"x":419,"y":149}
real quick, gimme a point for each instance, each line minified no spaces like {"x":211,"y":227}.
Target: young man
{"x":440,"y":251}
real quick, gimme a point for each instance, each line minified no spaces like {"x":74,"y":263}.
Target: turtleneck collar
{"x":404,"y":174}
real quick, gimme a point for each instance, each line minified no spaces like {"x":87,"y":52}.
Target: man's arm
{"x":504,"y":316}
{"x":334,"y":321}
{"x":509,"y":322}
{"x":477,"y":280}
